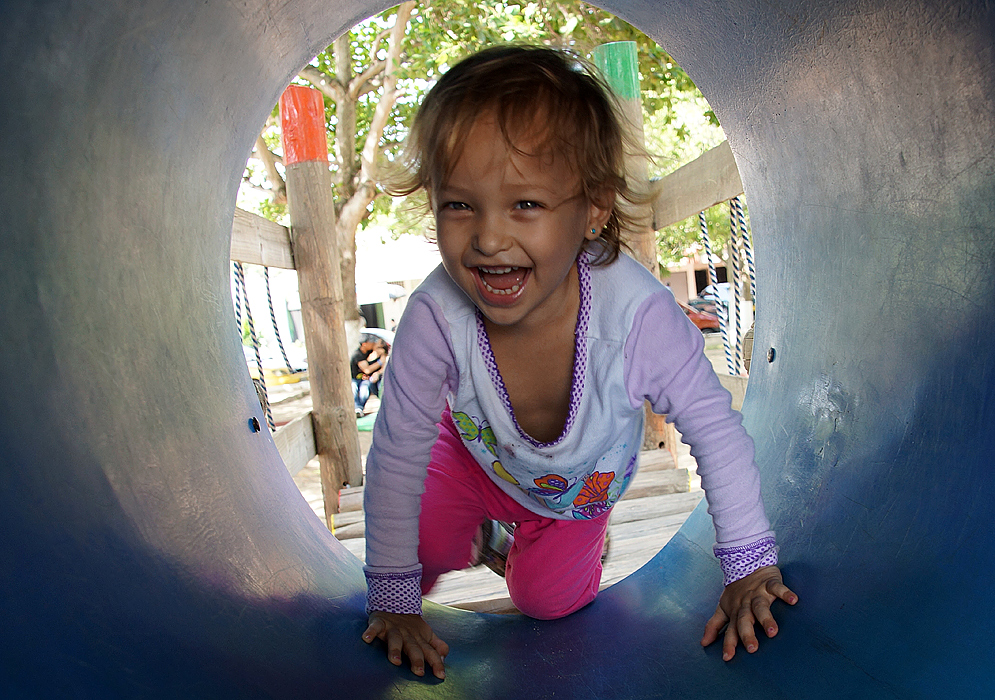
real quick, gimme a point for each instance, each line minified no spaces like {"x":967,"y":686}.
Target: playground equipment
{"x":154,"y":545}
{"x":262,"y":375}
{"x":736,"y":314}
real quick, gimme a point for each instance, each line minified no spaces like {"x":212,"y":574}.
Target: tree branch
{"x":354,"y":210}
{"x":329,"y":87}
{"x":278,"y":191}
{"x":377,"y":40}
{"x":361,"y":84}
{"x":345,"y":112}
{"x":386,"y":102}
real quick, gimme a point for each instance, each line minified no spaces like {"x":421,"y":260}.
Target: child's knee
{"x":550,"y":602}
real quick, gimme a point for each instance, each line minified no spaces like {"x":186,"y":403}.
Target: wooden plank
{"x":295,"y":441}
{"x":349,"y":531}
{"x":351,"y":499}
{"x":492,"y":606}
{"x":356,"y":547}
{"x":658,"y":483}
{"x":479,"y":583}
{"x":655,"y":506}
{"x":709,"y":179}
{"x":350,"y":518}
{"x":638,"y":534}
{"x":259,"y":241}
{"x":655,"y":460}
{"x":626,"y":565}
{"x":737,"y":387}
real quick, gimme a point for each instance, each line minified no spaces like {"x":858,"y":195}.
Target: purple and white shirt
{"x":632,"y":343}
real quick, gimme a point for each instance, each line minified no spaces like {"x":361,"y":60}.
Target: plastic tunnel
{"x":151,"y":545}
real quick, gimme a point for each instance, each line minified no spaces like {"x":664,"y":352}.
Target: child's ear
{"x":598,"y":215}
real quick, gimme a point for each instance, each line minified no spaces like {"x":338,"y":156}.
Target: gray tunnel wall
{"x":153,"y":546}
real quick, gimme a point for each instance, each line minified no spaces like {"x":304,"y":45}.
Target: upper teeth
{"x":497,"y":270}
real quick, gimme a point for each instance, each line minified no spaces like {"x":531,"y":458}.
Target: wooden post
{"x":315,"y":247}
{"x":619,"y":65}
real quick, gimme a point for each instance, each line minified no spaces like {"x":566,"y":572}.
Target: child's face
{"x":510,"y":227}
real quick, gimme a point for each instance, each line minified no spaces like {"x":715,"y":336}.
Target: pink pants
{"x":554,"y":567}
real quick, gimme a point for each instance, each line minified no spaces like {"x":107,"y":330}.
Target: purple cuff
{"x":394,"y":593}
{"x":740,"y":562}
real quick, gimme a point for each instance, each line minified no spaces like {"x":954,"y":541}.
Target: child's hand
{"x":410,"y":635}
{"x":743,"y":604}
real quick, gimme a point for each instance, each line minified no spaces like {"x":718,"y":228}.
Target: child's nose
{"x":491,"y":236}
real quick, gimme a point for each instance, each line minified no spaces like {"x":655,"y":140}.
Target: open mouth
{"x":504,"y":283}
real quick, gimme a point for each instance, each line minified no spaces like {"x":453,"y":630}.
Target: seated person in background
{"x":381,"y":350}
{"x":361,"y":369}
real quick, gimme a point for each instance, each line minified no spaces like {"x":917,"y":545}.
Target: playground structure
{"x":154,"y":545}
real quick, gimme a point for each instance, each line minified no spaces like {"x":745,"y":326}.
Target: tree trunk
{"x":354,"y":209}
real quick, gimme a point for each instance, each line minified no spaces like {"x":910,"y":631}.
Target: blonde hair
{"x":555,"y":94}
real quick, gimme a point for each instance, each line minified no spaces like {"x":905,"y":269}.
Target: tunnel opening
{"x":676,"y":133}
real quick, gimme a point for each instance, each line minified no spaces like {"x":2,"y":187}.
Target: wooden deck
{"x":661,"y":497}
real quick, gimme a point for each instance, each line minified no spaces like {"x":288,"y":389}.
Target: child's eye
{"x":528,"y":204}
{"x":454,"y":206}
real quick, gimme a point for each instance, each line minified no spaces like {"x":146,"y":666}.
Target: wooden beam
{"x":707,"y":180}
{"x":295,"y":441}
{"x":259,"y":241}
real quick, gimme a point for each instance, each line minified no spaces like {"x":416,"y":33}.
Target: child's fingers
{"x":714,"y":626}
{"x":761,"y":611}
{"x":395,"y":644}
{"x":375,"y":629}
{"x":729,"y":642}
{"x":778,"y":589}
{"x":440,"y":647}
{"x":744,"y":627}
{"x":411,"y":636}
{"x":415,"y":656}
{"x":435,"y":658}
{"x":420,"y":651}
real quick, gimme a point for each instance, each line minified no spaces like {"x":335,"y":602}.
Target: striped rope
{"x":747,"y":246}
{"x":272,"y":318}
{"x":714,"y":277}
{"x":736,"y":301}
{"x":240,"y":276}
{"x":238,"y":301}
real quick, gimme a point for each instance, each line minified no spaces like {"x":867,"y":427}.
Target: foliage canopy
{"x":359,"y":73}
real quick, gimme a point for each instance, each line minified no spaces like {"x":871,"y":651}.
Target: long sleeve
{"x":665,"y":364}
{"x":418,"y":378}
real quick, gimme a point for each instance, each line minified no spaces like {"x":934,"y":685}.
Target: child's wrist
{"x":394,"y":592}
{"x":740,"y":562}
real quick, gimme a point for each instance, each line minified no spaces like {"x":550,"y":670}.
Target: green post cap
{"x":619,"y":64}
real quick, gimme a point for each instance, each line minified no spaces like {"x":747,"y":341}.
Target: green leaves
{"x":679,"y":124}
